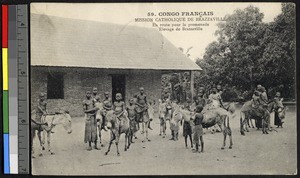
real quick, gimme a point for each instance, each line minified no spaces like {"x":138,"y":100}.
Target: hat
{"x":277,"y":94}
{"x":42,"y":95}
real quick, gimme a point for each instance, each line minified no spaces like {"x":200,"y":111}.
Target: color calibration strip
{"x":15,"y":64}
{"x":6,"y":157}
{"x":13,"y":88}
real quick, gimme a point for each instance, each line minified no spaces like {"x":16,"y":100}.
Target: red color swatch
{"x":4,"y":26}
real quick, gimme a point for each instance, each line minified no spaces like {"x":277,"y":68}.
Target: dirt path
{"x":255,"y":153}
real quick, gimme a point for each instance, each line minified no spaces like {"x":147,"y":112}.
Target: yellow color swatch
{"x":5,"y":68}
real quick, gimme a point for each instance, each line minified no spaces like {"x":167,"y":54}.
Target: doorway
{"x":118,"y":86}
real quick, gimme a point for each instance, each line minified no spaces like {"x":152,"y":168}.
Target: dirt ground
{"x":255,"y":153}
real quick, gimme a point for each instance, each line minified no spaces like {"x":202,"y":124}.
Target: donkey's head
{"x":65,"y":119}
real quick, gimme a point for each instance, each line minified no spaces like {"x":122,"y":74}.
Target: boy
{"x":215,"y":99}
{"x":119,"y":105}
{"x":198,"y":130}
{"x":132,"y":118}
{"x":141,"y":106}
{"x":278,"y":107}
{"x":41,"y":110}
{"x":90,"y":110}
{"x":95,"y":94}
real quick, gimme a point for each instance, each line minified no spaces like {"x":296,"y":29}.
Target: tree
{"x":279,"y":57}
{"x":248,"y":51}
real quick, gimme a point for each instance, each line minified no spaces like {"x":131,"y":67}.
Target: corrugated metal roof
{"x":57,"y":41}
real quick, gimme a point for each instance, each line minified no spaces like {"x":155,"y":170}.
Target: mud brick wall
{"x":78,"y":80}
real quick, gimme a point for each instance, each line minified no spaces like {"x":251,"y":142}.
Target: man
{"x":90,"y":110}
{"x":141,"y":106}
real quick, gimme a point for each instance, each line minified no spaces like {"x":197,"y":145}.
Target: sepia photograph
{"x":163,"y":89}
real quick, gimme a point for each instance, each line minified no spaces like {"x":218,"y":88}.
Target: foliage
{"x":250,"y":52}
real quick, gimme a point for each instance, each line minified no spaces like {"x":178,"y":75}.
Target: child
{"x":278,"y":107}
{"x":132,"y":117}
{"x":90,"y":134}
{"x":187,"y":132}
{"x":41,"y":108}
{"x":98,"y":105}
{"x":198,"y":130}
{"x":119,"y":105}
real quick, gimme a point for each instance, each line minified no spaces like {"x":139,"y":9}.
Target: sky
{"x":126,"y":13}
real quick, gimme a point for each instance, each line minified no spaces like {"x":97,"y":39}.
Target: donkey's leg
{"x":147,"y":134}
{"x":263,"y":127}
{"x":117,"y":144}
{"x":247,"y":126}
{"x":48,"y":141}
{"x":160,"y":126}
{"x":99,"y":132}
{"x":41,"y":145}
{"x":202,"y":143}
{"x":43,"y":139}
{"x":172,"y":133}
{"x":230,"y":137}
{"x":143,"y":127}
{"x":126,"y":140}
{"x":164,"y":129}
{"x":112,"y":138}
{"x":129,"y":139}
{"x":242,"y":123}
{"x":251,"y":122}
{"x":224,"y":141}
{"x":191,"y":140}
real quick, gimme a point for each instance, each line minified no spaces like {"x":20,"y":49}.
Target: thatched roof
{"x":63,"y":42}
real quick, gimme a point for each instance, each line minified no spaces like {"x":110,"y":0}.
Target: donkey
{"x":117,"y":124}
{"x":147,"y":118}
{"x":45,"y":125}
{"x":164,"y":114}
{"x":261,"y":115}
{"x":211,"y":117}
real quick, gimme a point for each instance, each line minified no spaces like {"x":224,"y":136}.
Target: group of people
{"x":204,"y":102}
{"x":95,"y":109}
{"x":260,"y":102}
{"x":200,"y":104}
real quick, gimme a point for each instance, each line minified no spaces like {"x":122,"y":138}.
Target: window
{"x":55,"y":86}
